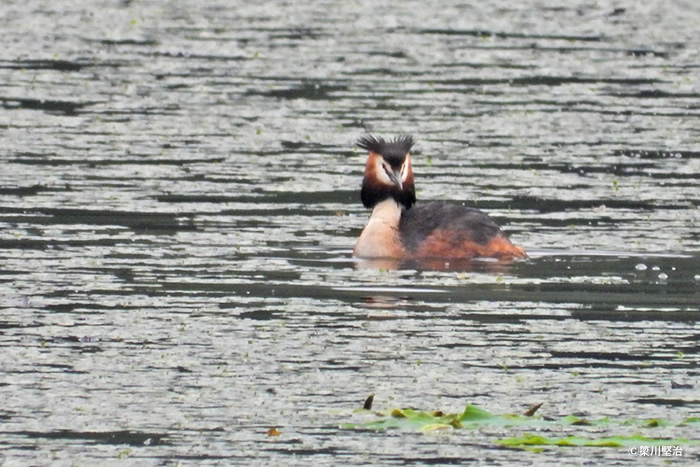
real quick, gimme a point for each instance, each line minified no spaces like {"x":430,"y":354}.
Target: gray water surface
{"x":179,"y":198}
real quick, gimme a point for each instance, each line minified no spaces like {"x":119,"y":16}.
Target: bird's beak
{"x":395,"y":177}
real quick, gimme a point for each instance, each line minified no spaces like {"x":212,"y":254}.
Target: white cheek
{"x":404,"y":170}
{"x":381,"y":174}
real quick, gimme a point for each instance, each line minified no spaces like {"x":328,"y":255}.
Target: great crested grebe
{"x":400,"y":229}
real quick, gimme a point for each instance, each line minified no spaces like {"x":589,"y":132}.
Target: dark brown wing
{"x":453,"y":231}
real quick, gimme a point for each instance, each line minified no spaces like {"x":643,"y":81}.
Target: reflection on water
{"x":179,"y":199}
{"x":436,"y":264}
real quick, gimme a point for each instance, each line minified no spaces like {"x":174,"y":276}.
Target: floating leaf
{"x":475,"y":418}
{"x":436,"y":427}
{"x":692,"y":421}
{"x":611,"y":441}
{"x":473,"y":413}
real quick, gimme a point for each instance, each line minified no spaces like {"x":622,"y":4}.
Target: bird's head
{"x":388,"y":172}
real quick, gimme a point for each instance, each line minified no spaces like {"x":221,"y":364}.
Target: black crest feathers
{"x":391,"y":150}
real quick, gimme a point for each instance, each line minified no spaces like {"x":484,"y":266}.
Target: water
{"x":179,"y":200}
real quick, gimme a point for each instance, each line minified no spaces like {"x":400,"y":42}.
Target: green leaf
{"x":472,"y":413}
{"x":476,"y":418}
{"x":692,"y":421}
{"x":610,"y":441}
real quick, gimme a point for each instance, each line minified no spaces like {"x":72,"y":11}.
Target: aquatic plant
{"x":475,"y":418}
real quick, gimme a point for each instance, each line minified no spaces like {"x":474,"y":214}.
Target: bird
{"x":401,"y":228}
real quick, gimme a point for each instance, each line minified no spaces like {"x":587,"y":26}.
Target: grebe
{"x":397,"y":229}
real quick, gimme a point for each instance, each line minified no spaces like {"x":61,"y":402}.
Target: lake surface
{"x":179,"y":198}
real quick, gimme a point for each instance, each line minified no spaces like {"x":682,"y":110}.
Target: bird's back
{"x":444,"y":230}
